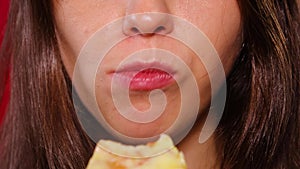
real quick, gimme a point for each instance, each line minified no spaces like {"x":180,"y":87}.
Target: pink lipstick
{"x":150,"y":79}
{"x":144,"y":77}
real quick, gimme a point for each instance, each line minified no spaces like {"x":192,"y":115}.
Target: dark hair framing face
{"x":259,"y":128}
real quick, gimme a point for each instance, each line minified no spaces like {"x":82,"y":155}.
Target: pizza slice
{"x":161,"y":154}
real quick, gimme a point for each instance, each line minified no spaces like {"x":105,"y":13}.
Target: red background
{"x":3,"y":18}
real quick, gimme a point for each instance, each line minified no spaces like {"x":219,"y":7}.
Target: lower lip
{"x":148,"y":79}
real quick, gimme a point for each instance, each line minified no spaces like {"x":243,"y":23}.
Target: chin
{"x":140,"y":130}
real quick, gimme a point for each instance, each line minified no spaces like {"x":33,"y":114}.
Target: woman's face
{"x":77,"y":20}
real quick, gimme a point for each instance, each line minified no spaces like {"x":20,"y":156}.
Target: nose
{"x":147,"y":17}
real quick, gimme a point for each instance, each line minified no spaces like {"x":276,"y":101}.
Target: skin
{"x":220,"y":20}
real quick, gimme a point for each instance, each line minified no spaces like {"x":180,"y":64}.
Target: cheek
{"x":225,"y":33}
{"x":221,"y":23}
{"x":77,"y":20}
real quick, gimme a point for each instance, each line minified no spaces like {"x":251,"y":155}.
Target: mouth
{"x":144,"y":76}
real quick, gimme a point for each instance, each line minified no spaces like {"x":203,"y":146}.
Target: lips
{"x":143,"y":77}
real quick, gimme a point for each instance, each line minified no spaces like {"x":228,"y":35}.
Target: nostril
{"x":159,"y":29}
{"x":135,"y":30}
{"x":147,"y":24}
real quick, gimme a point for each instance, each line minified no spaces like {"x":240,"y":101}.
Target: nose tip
{"x":147,"y":23}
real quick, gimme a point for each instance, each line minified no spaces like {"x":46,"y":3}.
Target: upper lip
{"x":139,"y":66}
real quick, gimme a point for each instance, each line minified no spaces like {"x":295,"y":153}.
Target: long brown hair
{"x":261,"y":122}
{"x":40,"y":128}
{"x":259,"y":128}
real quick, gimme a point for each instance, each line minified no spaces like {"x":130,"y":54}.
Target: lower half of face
{"x":130,"y":84}
{"x":140,"y":81}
